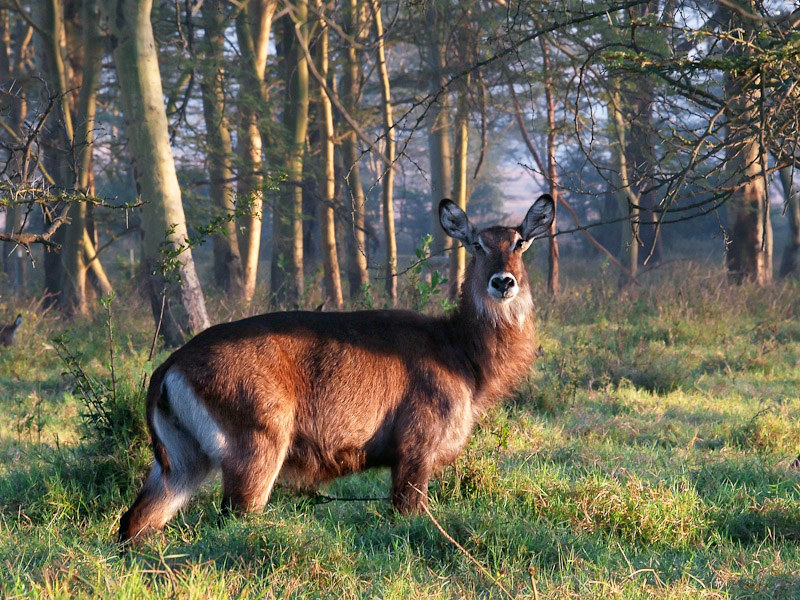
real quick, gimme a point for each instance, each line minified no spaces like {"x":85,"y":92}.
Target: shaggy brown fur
{"x":311,"y":396}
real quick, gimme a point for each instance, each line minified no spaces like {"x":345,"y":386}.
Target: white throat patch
{"x":513,"y":312}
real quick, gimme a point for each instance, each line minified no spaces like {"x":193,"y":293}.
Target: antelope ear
{"x":456,"y":224}
{"x":538,"y":219}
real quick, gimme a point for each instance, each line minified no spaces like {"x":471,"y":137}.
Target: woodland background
{"x":168,"y":165}
{"x":311,"y":142}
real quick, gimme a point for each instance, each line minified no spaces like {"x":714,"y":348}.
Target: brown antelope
{"x":7,"y":332}
{"x":311,"y":396}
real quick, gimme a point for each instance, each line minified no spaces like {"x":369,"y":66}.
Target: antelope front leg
{"x":410,"y":484}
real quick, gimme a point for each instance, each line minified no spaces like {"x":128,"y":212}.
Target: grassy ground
{"x":646,"y":457}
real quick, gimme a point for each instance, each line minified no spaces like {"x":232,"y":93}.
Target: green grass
{"x":647,"y":456}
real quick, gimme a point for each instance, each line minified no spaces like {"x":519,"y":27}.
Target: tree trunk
{"x":439,"y":149}
{"x":228,"y":271}
{"x":458,"y":256}
{"x":93,"y":264}
{"x":750,"y":250}
{"x":15,"y":263}
{"x":388,"y":176}
{"x":253,"y":25}
{"x":327,"y":185}
{"x":166,"y":256}
{"x":638,"y":95}
{"x":74,"y":282}
{"x":357,"y":274}
{"x":552,"y":174}
{"x":57,"y":136}
{"x":628,"y":201}
{"x":287,"y":238}
{"x":790,"y":262}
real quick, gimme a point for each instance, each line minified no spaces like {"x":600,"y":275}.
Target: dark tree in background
{"x":343,"y":125}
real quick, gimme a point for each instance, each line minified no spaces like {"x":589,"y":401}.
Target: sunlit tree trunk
{"x":327,"y":184}
{"x":749,"y":253}
{"x":439,"y":151}
{"x":790,"y":263}
{"x":165,"y":255}
{"x":253,"y":25}
{"x":287,"y":238}
{"x":75,"y":249}
{"x":388,"y":176}
{"x":228,"y":270}
{"x":357,"y":274}
{"x":749,"y":256}
{"x":458,"y":255}
{"x":552,"y":174}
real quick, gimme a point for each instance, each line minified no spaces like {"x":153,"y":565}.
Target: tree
{"x":78,"y":245}
{"x":357,"y":274}
{"x":439,"y":149}
{"x":750,"y":248}
{"x":253,"y":25}
{"x":287,"y":219}
{"x":228,"y":268}
{"x":790,"y":262}
{"x":390,"y":264}
{"x":15,"y":58}
{"x":166,"y":250}
{"x":327,"y":184}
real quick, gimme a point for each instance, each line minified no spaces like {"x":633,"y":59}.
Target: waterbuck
{"x":7,"y":332}
{"x":311,"y":396}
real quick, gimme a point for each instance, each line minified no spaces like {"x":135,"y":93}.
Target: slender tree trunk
{"x":294,"y":165}
{"x":74,"y":282}
{"x":439,"y":149}
{"x":287,"y":238}
{"x":58,"y":133}
{"x":357,"y":274}
{"x":327,"y":184}
{"x":638,"y":96}
{"x":628,"y":202}
{"x":253,"y":25}
{"x":552,"y":174}
{"x":790,"y":263}
{"x":165,"y":255}
{"x":458,"y":256}
{"x":228,"y":271}
{"x":388,"y":176}
{"x":14,"y":263}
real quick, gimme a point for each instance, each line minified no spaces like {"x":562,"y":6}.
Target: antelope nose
{"x":503,"y":283}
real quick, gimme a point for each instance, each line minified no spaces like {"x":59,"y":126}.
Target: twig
{"x":158,"y":325}
{"x":450,"y":539}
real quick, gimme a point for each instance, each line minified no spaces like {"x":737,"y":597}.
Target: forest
{"x":169,"y":165}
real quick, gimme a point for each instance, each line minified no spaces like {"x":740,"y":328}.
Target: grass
{"x":647,"y":456}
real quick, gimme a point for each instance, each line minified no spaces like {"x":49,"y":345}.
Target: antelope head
{"x":496,"y":279}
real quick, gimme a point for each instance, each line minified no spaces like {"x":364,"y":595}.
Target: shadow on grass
{"x":750,"y":500}
{"x":66,"y":483}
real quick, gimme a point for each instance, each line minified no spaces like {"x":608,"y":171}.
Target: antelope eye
{"x":520,"y":244}
{"x":477,"y":247}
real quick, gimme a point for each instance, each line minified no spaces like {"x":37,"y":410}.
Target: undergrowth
{"x":646,"y":456}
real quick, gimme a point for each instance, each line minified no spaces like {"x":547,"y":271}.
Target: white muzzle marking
{"x":502,"y":287}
